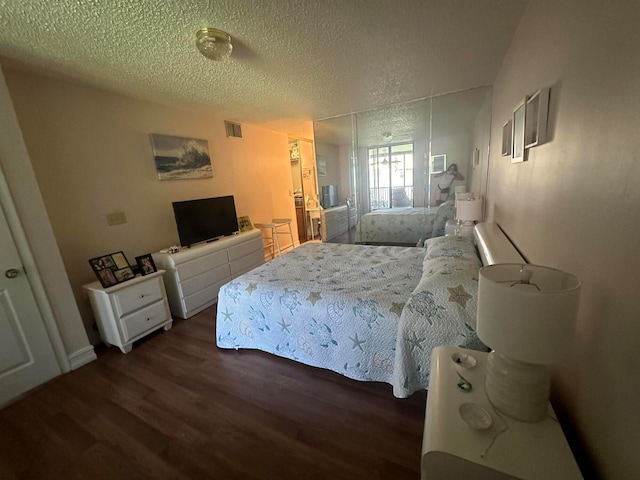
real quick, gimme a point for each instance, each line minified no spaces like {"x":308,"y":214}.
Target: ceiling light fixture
{"x":214,"y":44}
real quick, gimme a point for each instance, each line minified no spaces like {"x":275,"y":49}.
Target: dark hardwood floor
{"x":179,"y":407}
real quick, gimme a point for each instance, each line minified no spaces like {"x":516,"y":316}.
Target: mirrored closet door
{"x":394,"y":171}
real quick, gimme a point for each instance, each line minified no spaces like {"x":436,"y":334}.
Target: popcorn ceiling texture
{"x":293,"y":60}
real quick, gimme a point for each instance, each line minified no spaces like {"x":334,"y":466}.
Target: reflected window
{"x":391,"y":176}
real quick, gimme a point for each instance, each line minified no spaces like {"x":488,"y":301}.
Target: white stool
{"x":274,"y":225}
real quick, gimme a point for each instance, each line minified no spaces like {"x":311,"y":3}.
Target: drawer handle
{"x":142,"y":295}
{"x":149,"y":318}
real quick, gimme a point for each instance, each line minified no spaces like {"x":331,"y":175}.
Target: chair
{"x":274,"y":241}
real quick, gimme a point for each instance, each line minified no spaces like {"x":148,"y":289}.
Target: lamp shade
{"x":527,"y":312}
{"x":469,"y":209}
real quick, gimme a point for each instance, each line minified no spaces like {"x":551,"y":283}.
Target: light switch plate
{"x":116,"y":218}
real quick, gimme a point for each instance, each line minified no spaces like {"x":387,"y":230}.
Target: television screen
{"x":329,"y":196}
{"x":205,"y":219}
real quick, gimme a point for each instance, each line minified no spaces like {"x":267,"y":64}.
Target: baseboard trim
{"x":81,"y":357}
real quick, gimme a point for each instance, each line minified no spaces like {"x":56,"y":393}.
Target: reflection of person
{"x":446,"y":180}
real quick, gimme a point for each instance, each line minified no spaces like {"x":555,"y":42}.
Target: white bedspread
{"x":340,"y":307}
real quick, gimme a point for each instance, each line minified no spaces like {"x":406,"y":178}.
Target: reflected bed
{"x":404,"y":226}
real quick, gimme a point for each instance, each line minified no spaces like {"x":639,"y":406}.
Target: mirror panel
{"x":403,"y":156}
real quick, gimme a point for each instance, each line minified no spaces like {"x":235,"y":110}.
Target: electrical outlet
{"x":116,"y":218}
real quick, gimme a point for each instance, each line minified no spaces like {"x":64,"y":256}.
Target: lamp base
{"x":519,"y":390}
{"x":465,"y":228}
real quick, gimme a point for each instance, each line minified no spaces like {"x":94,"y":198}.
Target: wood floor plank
{"x":178,"y":407}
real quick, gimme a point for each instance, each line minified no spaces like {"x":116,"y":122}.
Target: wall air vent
{"x":234,"y":130}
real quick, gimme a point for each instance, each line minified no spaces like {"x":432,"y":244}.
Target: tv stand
{"x":194,"y":276}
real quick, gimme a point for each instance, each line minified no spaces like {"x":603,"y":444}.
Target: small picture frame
{"x":438,"y":163}
{"x":146,"y":265}
{"x":245,"y":224}
{"x":518,"y":153}
{"x":112,"y":269}
{"x":507,"y":128}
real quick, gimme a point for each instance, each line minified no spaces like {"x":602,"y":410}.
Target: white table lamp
{"x":526,"y":314}
{"x":468,"y":211}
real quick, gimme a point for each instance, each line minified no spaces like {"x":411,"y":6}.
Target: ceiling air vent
{"x":234,"y":130}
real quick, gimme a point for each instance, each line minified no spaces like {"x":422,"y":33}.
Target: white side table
{"x":130,"y":310}
{"x":314,"y":214}
{"x":451,"y":449}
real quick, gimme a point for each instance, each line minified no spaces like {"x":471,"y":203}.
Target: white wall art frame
{"x":536,"y":120}
{"x":518,"y":152}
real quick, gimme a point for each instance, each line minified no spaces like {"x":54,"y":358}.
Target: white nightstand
{"x":130,"y":310}
{"x":451,"y":449}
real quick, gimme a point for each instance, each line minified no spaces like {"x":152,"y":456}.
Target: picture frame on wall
{"x":146,"y":265}
{"x":322,"y":166}
{"x":517,"y":149}
{"x":438,"y":163}
{"x":111,"y":269}
{"x":181,"y":158}
{"x":506,"y":137}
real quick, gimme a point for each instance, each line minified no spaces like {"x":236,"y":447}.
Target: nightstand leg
{"x":126,"y":348}
{"x":168,"y":326}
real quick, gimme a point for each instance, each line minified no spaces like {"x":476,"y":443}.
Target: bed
{"x":406,"y":226}
{"x":371,"y":313}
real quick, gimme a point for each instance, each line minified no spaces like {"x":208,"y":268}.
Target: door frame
{"x":33,"y":276}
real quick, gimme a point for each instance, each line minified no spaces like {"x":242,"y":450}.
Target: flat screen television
{"x":329,"y":196}
{"x":205,"y":219}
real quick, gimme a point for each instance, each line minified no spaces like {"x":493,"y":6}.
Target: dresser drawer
{"x":145,"y":319}
{"x":216,"y":275}
{"x":202,"y":264}
{"x":246,"y":263}
{"x":137,"y":296}
{"x":206,"y":296}
{"x":246,"y":248}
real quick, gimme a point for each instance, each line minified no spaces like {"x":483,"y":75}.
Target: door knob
{"x":11,"y":273}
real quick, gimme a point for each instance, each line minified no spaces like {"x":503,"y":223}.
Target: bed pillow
{"x":451,"y":246}
{"x":449,"y":255}
{"x":445,"y":212}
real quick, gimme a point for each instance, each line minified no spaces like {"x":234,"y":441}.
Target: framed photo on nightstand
{"x":111,"y":269}
{"x":146,"y":265}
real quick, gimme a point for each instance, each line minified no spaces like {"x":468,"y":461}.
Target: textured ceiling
{"x":435,"y":117}
{"x":293,"y":60}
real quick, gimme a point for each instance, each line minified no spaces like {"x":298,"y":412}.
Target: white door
{"x":26,"y":355}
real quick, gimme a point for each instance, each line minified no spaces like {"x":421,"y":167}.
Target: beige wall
{"x":575,"y":205}
{"x":458,"y":150}
{"x":331,"y":154}
{"x":58,"y":308}
{"x":477,"y":179}
{"x":91,"y":153}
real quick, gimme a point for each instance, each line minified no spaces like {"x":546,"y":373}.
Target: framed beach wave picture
{"x":180,"y":158}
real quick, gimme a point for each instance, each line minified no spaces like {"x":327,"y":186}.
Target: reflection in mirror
{"x":400,"y":166}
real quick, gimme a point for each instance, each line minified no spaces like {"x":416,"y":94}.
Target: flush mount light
{"x":214,"y":44}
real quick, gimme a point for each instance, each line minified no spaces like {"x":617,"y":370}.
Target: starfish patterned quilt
{"x":341,"y":307}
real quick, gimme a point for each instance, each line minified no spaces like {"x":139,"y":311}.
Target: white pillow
{"x":451,"y":246}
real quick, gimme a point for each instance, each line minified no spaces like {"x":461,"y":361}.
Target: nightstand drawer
{"x":146,"y":319}
{"x":137,"y":296}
